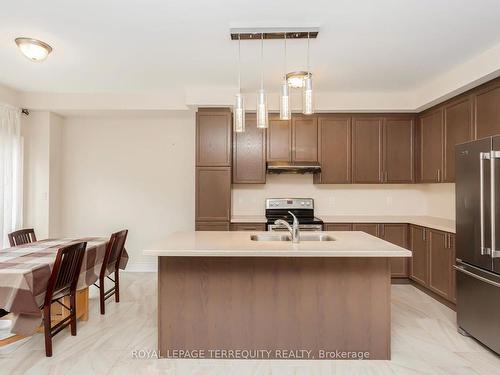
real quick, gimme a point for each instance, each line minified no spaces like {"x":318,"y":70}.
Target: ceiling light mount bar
{"x":259,"y":33}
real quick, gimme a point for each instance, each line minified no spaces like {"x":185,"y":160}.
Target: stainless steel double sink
{"x":287,"y":237}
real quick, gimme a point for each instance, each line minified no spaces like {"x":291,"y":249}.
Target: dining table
{"x":26,"y":269}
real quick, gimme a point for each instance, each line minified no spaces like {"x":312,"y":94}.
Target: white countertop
{"x":446,"y":225}
{"x":239,"y":244}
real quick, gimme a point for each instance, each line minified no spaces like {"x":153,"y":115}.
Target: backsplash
{"x":406,"y":199}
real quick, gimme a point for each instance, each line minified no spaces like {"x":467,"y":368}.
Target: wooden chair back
{"x":114,"y":251}
{"x":66,"y":270}
{"x":21,"y":237}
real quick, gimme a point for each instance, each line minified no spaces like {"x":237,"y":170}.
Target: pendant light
{"x":239,"y":105}
{"x":307,"y":91}
{"x":262,"y":120}
{"x":285,"y":94}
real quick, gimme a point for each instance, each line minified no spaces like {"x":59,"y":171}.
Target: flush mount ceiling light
{"x":33,"y":49}
{"x":296,"y":79}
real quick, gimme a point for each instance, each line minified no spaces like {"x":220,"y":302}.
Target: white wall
{"x":128,"y":172}
{"x":35,"y":130}
{"x":431,"y":199}
{"x":9,"y":96}
{"x":41,"y":132}
{"x":440,"y":199}
{"x":55,"y":157}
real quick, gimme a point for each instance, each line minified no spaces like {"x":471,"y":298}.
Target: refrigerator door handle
{"x":482,"y":157}
{"x":494,"y":252}
{"x":472,"y":274}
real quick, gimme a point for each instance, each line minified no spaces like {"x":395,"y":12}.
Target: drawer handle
{"x":484,"y":279}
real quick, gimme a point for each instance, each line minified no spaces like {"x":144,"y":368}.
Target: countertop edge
{"x":266,"y":254}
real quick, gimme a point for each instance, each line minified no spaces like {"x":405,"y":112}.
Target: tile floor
{"x":424,"y":341}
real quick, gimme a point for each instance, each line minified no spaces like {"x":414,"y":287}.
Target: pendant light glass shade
{"x":262,"y":120}
{"x":239,"y":114}
{"x":307,"y":97}
{"x":285,"y":112}
{"x":239,"y":104}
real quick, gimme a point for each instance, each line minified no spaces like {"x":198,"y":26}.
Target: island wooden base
{"x":322,"y":305}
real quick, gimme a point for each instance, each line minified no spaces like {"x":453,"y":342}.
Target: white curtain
{"x":11,"y":172}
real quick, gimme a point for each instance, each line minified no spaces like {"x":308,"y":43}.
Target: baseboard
{"x":141,"y":267}
{"x":436,"y":296}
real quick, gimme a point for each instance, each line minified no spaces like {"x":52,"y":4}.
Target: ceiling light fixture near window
{"x":33,"y":49}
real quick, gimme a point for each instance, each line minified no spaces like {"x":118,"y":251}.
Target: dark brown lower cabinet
{"x":369,"y":228}
{"x":420,"y":260}
{"x":433,"y":260}
{"x":441,"y":263}
{"x":453,"y":295}
{"x":254,"y":227}
{"x":338,"y":227}
{"x":211,"y":226}
{"x":398,"y":235}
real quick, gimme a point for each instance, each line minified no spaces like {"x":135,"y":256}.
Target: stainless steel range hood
{"x":293,"y":167}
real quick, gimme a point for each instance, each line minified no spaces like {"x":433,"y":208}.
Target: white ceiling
{"x":158,"y":45}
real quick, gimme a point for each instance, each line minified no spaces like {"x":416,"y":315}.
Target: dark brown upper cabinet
{"x":487,"y":111}
{"x":213,"y":194}
{"x":334,"y":151}
{"x":367,"y":150}
{"x":430,"y":146}
{"x":279,"y":139}
{"x":213,"y":137}
{"x":304,"y":138}
{"x":457,"y":129}
{"x":292,"y":140}
{"x":397,"y":146}
{"x":249,"y":154}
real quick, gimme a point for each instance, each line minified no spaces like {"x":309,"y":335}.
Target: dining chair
{"x":62,"y":283}
{"x":21,"y":237}
{"x":110,"y":264}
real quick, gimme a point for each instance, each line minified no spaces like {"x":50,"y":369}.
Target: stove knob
{"x":302,"y":203}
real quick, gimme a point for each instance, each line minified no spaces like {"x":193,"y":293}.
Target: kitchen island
{"x":248,"y":295}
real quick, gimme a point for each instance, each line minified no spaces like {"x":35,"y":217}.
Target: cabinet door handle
{"x":423,"y":234}
{"x":439,"y":175}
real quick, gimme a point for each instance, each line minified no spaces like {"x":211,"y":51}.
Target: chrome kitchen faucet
{"x":293,"y":229}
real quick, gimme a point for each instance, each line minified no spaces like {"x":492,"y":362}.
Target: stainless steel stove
{"x":302,"y":208}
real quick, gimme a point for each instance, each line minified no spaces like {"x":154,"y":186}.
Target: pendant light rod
{"x":284,"y":63}
{"x":308,"y":67}
{"x":239,"y":64}
{"x":262,"y":62}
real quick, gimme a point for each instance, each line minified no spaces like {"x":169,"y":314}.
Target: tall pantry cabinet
{"x":213,"y":168}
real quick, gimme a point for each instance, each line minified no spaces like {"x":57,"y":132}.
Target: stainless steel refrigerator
{"x":478,"y":240}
